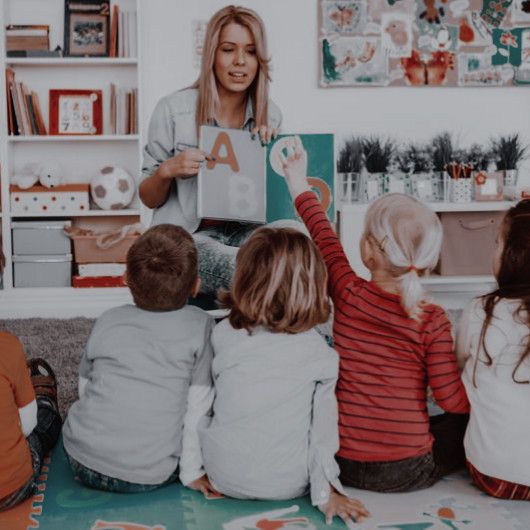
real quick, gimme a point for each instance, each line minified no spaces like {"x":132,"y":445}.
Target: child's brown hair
{"x":513,"y":278}
{"x":162,"y":268}
{"x":280,"y":283}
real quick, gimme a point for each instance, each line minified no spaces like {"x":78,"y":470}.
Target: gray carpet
{"x":60,"y":342}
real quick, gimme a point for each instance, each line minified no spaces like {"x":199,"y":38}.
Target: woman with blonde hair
{"x":274,"y":433}
{"x":232,"y":91}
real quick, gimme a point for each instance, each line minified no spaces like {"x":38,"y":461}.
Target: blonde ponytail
{"x":412,"y":236}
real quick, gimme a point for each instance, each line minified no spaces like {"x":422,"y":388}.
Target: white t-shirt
{"x":497,"y":440}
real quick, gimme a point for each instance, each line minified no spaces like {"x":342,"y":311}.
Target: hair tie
{"x":412,"y":268}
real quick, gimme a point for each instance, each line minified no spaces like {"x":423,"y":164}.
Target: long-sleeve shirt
{"x":387,"y":359}
{"x":274,"y":427}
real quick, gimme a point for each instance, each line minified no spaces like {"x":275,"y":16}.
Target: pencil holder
{"x":461,"y":190}
{"x":350,"y":185}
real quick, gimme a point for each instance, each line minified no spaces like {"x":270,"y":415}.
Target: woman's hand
{"x":203,"y":485}
{"x":184,"y":165}
{"x":347,"y":509}
{"x":295,"y":167}
{"x":266,"y":133}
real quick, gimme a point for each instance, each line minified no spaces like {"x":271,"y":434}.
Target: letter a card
{"x":231,"y":186}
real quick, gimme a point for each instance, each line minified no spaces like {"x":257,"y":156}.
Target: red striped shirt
{"x":387,"y":359}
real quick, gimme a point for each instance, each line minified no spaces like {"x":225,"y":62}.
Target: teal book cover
{"x":244,"y":181}
{"x":320,"y":171}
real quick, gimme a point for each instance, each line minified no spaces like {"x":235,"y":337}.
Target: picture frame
{"x":87,"y":28}
{"x":76,"y":112}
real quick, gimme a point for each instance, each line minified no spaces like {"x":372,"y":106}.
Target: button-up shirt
{"x":172,"y":129}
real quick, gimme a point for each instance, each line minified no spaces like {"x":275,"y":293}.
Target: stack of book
{"x":26,"y":37}
{"x":99,"y":275}
{"x":123,"y":33}
{"x":123,"y":110}
{"x":24,"y":116}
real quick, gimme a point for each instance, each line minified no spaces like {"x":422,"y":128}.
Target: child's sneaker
{"x":44,"y":381}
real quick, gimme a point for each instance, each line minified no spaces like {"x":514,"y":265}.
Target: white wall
{"x":473,"y":114}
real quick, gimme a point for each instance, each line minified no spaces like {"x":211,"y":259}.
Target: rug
{"x":64,"y":504}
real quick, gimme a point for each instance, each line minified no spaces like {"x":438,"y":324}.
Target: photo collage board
{"x":424,"y":42}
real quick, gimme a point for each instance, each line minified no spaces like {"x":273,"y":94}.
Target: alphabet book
{"x":245,"y":182}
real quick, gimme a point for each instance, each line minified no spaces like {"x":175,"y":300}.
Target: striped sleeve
{"x":339,"y":270}
{"x":442,"y":370}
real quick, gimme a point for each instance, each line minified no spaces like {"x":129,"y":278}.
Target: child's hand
{"x":295,"y":167}
{"x":347,"y":509}
{"x":203,"y":485}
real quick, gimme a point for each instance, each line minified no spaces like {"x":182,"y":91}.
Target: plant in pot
{"x":378,"y":155}
{"x":417,"y":160}
{"x":508,"y":151}
{"x":442,"y":156}
{"x":349,"y":165}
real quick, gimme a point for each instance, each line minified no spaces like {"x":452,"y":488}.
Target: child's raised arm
{"x":311,"y":211}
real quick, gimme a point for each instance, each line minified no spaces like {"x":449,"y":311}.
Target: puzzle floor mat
{"x":63,"y":504}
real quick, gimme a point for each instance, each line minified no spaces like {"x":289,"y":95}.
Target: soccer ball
{"x":112,"y":188}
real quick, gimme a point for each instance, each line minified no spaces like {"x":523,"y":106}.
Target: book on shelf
{"x":123,"y":110}
{"x":24,"y":116}
{"x":123,"y":33}
{"x":101,"y":269}
{"x":46,"y":54}
{"x":245,"y":180}
{"x":27,"y":37}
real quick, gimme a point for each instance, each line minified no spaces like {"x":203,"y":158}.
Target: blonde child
{"x":145,"y":376}
{"x":493,"y":342}
{"x":392,"y":344}
{"x":274,"y":426}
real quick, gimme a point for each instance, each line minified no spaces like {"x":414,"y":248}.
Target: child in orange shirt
{"x":29,"y":420}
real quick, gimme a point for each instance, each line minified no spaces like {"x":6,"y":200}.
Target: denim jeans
{"x":99,"y":481}
{"x":40,"y":442}
{"x":218,"y":247}
{"x":414,"y":473}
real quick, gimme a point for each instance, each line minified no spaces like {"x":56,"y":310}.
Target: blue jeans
{"x":99,"y":481}
{"x":218,"y":247}
{"x":40,"y":442}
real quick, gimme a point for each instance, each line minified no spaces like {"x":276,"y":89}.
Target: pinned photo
{"x":343,"y":16}
{"x":396,"y":34}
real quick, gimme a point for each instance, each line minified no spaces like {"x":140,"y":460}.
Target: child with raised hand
{"x":30,"y":423}
{"x":274,"y":432}
{"x":392,"y":344}
{"x":145,"y":378}
{"x":493,"y":346}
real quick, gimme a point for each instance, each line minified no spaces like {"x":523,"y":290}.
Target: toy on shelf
{"x":38,"y":200}
{"x":112,"y":188}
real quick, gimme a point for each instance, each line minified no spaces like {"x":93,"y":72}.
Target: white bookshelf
{"x":79,"y":156}
{"x":451,"y":291}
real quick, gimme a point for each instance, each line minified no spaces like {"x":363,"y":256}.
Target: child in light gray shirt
{"x":145,"y":378}
{"x":274,"y":432}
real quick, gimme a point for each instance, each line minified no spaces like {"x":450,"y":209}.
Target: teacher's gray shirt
{"x":172,"y":130}
{"x":274,"y":429}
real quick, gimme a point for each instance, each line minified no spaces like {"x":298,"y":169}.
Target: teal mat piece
{"x":68,"y":505}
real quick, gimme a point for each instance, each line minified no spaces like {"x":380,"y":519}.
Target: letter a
{"x":230,"y":158}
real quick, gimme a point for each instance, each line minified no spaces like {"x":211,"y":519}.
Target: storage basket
{"x":87,"y":249}
{"x":469,"y":242}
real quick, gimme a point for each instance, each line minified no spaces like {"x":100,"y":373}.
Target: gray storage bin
{"x":41,"y":238}
{"x":42,"y":271}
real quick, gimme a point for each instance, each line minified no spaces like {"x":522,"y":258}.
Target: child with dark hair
{"x":493,"y":346}
{"x":30,"y":423}
{"x":145,"y":376}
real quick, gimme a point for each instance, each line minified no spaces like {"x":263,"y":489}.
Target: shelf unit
{"x":451,"y":291}
{"x":80,"y":156}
